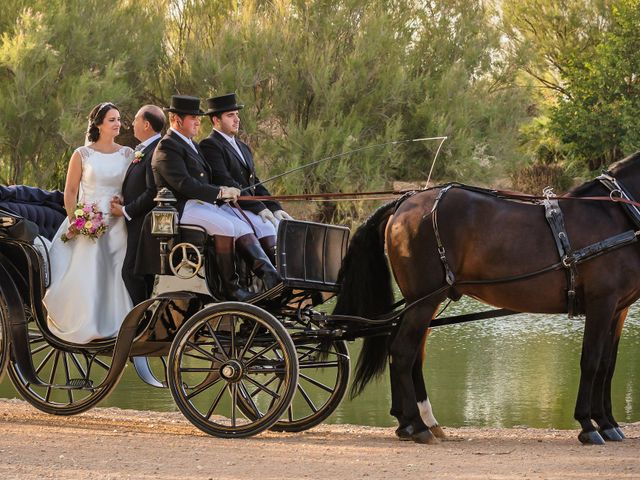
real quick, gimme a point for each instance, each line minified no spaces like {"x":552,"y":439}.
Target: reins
{"x":382,"y":194}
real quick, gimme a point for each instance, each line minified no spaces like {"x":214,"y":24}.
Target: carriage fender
{"x":16,"y":326}
{"x":129,"y":330}
{"x":126,"y":336}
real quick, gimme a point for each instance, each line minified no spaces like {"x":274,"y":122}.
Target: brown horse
{"x":487,"y":238}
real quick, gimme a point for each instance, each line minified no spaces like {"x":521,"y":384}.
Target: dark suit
{"x":179,"y":168}
{"x":227,"y":168}
{"x":183,"y":171}
{"x":138,"y":191}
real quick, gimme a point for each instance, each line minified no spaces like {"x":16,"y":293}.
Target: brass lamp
{"x":164,"y":223}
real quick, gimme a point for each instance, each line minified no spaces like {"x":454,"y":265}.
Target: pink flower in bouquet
{"x":89,"y":221}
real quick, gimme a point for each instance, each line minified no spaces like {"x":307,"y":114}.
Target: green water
{"x":519,"y":370}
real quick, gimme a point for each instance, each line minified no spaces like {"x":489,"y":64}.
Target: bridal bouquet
{"x":89,"y":221}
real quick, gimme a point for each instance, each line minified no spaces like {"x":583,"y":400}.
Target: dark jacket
{"x":229,"y":170}
{"x":179,"y":168}
{"x":183,"y":171}
{"x":139,"y":187}
{"x":138,"y":192}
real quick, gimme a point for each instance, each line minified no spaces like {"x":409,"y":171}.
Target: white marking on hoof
{"x":426,"y":413}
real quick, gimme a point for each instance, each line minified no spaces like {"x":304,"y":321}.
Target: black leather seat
{"x":43,"y":207}
{"x":194,"y":234}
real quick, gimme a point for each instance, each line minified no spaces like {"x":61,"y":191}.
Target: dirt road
{"x":109,"y":443}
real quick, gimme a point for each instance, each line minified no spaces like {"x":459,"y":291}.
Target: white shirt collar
{"x":149,"y":141}
{"x":228,"y":138}
{"x":188,"y":140}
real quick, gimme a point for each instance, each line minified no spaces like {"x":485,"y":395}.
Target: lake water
{"x":518,"y":370}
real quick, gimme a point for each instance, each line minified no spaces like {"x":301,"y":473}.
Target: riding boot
{"x":249,"y":247}
{"x":269,"y":246}
{"x":226,"y":262}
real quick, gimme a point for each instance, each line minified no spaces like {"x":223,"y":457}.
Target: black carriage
{"x":234,"y":369}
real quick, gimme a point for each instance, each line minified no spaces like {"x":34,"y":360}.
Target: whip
{"x":351,"y":152}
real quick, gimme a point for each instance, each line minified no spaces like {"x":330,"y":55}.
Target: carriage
{"x":234,"y":369}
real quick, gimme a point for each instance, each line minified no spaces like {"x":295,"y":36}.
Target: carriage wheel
{"x":322,"y":382}
{"x":70,"y":378}
{"x":233,"y":370}
{"x":4,"y":340}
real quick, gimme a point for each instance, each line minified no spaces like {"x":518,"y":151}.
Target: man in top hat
{"x":138,"y":192}
{"x":232,"y":164}
{"x":179,"y":165}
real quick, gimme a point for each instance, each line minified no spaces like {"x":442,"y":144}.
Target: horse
{"x":487,"y":246}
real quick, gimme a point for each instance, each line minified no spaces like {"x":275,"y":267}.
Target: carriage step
{"x":80,"y":383}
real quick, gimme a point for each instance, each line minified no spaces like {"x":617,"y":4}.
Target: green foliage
{"x":324,"y":77}
{"x":585,"y":54}
{"x":597,"y":116}
{"x":59,"y":60}
{"x":318,"y":77}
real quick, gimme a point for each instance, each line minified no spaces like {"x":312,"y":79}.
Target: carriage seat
{"x":43,"y":207}
{"x":194,"y":234}
{"x":310,"y":254}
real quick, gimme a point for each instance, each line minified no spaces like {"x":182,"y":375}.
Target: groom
{"x":138,"y":191}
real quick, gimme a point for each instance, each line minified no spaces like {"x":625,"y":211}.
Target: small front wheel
{"x":233,"y":370}
{"x":323,"y":381}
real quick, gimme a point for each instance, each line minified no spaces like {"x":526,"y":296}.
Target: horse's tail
{"x":366,"y":291}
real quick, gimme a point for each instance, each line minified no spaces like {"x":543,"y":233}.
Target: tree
{"x":59,"y":60}
{"x":324,"y":77}
{"x":596,"y":117}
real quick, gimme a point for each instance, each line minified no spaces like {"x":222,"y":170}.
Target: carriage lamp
{"x":164,"y":223}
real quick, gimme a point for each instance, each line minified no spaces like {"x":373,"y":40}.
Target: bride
{"x":87,"y":299}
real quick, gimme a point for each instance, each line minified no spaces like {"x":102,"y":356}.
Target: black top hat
{"x":185,"y":104}
{"x":223,"y":103}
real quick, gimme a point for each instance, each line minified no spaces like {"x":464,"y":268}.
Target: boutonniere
{"x":137,"y":156}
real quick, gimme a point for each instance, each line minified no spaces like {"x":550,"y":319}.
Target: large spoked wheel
{"x":70,"y":379}
{"x":322,"y":383}
{"x":232,"y":370}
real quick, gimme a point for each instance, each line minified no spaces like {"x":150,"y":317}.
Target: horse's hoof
{"x":405,"y":433}
{"x":425,"y":436}
{"x":620,"y":432}
{"x":591,"y":438}
{"x":438,"y":432}
{"x":610,"y":434}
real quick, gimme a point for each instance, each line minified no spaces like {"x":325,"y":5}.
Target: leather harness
{"x":569,"y":258}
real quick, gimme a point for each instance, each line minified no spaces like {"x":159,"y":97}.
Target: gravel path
{"x":110,"y":443}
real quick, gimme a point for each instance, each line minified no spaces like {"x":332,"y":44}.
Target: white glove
{"x":282,"y":215}
{"x":229,"y":194}
{"x":266,"y":215}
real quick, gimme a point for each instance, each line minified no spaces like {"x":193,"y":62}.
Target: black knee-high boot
{"x":249,"y":247}
{"x":226,"y":262}
{"x":269,"y":246}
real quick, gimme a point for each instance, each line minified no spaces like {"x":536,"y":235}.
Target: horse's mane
{"x":615,"y":169}
{"x":624,"y":164}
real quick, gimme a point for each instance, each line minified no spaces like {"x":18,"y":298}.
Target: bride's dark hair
{"x":96,"y":117}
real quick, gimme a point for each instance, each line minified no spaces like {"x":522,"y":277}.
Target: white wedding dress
{"x":87,"y":299}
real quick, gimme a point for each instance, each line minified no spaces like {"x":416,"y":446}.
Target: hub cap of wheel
{"x":231,"y":371}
